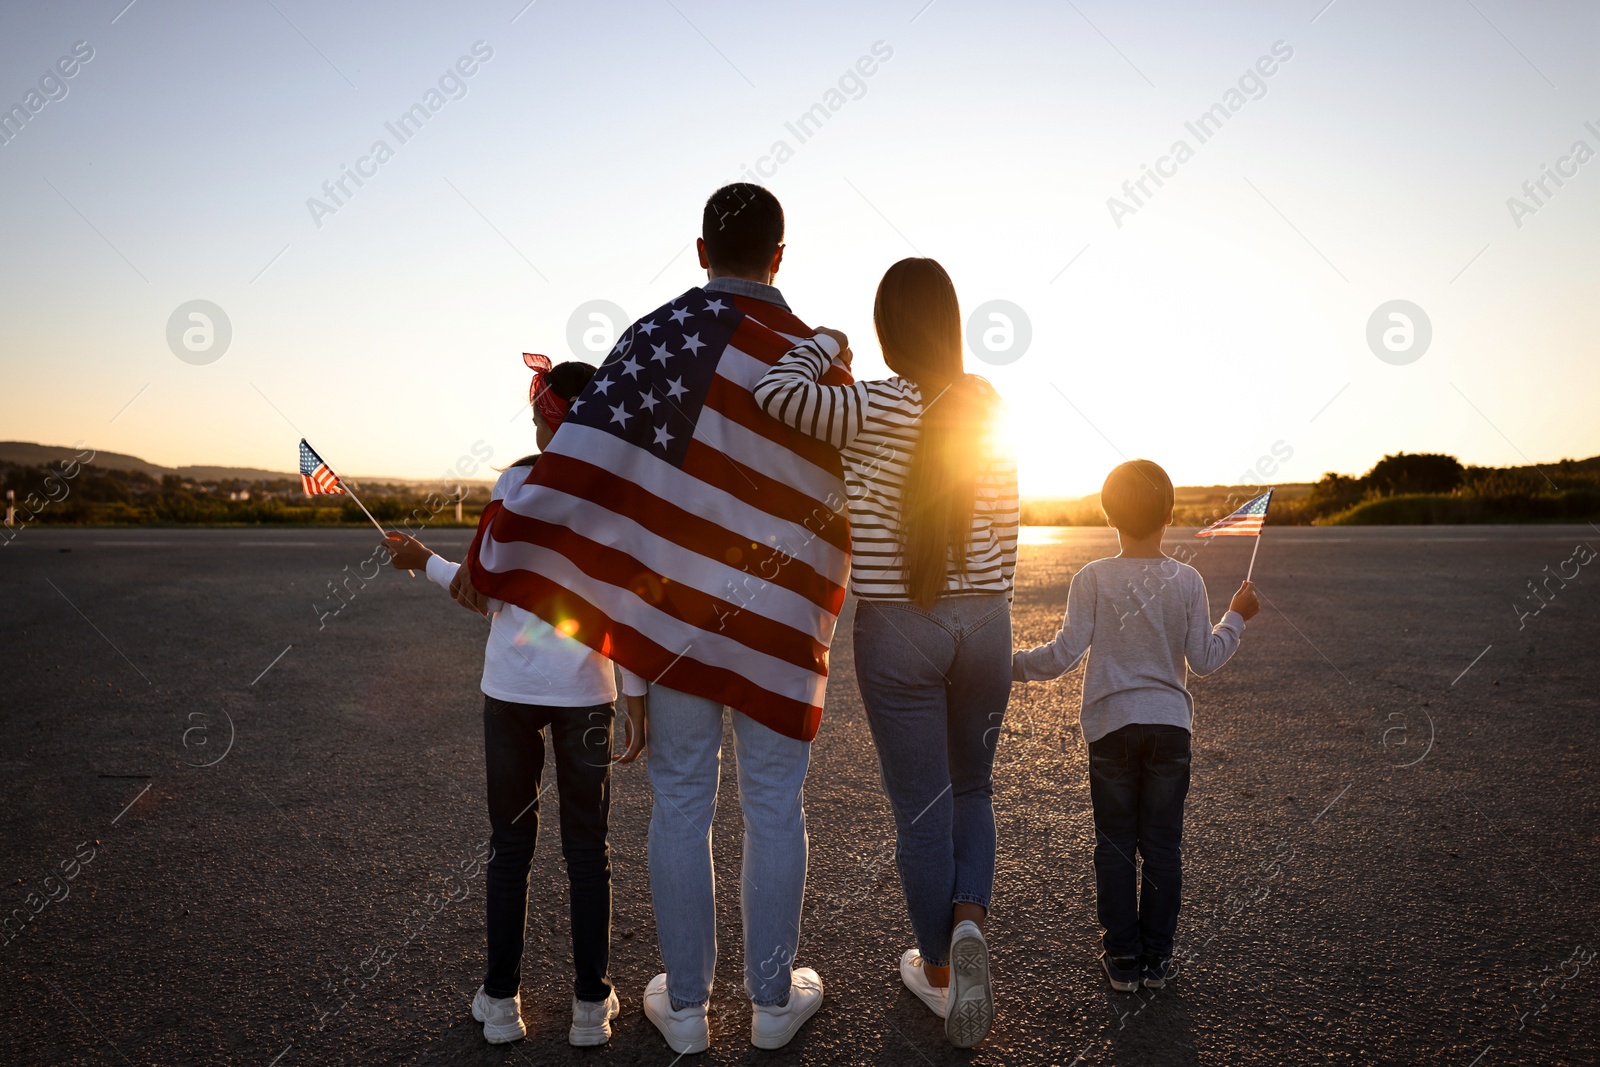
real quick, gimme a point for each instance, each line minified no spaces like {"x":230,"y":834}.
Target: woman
{"x":933,"y":515}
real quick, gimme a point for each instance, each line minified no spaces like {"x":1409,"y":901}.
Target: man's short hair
{"x":742,"y":228}
{"x":1137,"y":497}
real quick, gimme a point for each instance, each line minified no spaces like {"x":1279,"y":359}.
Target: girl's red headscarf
{"x":551,"y":408}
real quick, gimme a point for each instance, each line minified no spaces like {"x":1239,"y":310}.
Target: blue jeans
{"x":1138,"y":780}
{"x":513,"y":752}
{"x":935,"y":684}
{"x":685,"y":769}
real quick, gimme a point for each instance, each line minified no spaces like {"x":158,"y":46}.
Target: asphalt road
{"x":225,"y":803}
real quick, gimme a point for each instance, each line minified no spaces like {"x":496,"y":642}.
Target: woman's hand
{"x":638,"y":730}
{"x":838,"y":337}
{"x":406,"y":553}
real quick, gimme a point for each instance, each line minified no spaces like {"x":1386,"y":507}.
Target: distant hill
{"x":50,"y":484}
{"x":28,"y":454}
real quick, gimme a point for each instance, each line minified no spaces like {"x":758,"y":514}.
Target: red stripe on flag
{"x":683,"y":602}
{"x":1225,"y":529}
{"x":671,"y":523}
{"x":320,"y":482}
{"x":674,"y":668}
{"x":738,"y":405}
{"x":774,"y":319}
{"x":782,"y":502}
{"x":768,"y":338}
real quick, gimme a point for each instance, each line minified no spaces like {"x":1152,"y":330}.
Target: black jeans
{"x":513,"y":750}
{"x":1138,"y":779}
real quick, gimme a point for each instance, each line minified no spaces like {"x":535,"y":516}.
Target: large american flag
{"x":676,"y":528}
{"x":1246,"y":522}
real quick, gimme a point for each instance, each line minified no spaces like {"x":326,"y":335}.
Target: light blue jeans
{"x":935,"y":683}
{"x":685,"y":769}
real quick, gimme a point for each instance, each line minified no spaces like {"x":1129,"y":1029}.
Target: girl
{"x":933,"y":517}
{"x":534,"y":677}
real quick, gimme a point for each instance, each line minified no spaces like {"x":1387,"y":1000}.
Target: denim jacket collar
{"x":746,"y":287}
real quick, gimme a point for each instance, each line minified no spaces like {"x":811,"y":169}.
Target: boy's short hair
{"x":1137,"y":497}
{"x":742,"y":227}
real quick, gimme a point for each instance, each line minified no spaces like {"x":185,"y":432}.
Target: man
{"x":676,"y":528}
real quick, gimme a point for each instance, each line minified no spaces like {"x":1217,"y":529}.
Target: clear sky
{"x":1201,"y":324}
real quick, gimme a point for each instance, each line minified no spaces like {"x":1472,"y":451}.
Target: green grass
{"x":1440,"y":510}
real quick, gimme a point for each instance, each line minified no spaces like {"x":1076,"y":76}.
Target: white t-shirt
{"x":526,"y":660}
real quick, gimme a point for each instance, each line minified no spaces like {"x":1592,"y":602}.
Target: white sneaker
{"x":685,"y":1031}
{"x":501,"y":1017}
{"x":971,"y":998}
{"x":591,"y":1020}
{"x":773,"y":1026}
{"x":916,"y":980}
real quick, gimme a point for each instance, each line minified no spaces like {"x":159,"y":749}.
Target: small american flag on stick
{"x":318,"y":479}
{"x":1248,"y":521}
{"x":315,"y":474}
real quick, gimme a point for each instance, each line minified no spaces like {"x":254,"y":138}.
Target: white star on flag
{"x":693,"y":343}
{"x":661,"y":355}
{"x":601,"y":385}
{"x":662,"y":436}
{"x":675,"y":389}
{"x":632,"y":367}
{"x":649,"y":402}
{"x":680,"y":314}
{"x":716,"y":307}
{"x":620,"y":414}
{"x":647,"y":328}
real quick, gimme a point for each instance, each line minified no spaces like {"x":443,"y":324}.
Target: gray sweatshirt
{"x":1145,"y":619}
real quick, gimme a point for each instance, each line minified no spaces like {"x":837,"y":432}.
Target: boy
{"x":1145,"y":616}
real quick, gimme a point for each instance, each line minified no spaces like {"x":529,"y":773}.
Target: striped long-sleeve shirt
{"x":875,"y":426}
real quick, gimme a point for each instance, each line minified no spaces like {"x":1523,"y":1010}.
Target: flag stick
{"x":1252,"y":568}
{"x":351,"y":494}
{"x":363,"y":508}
